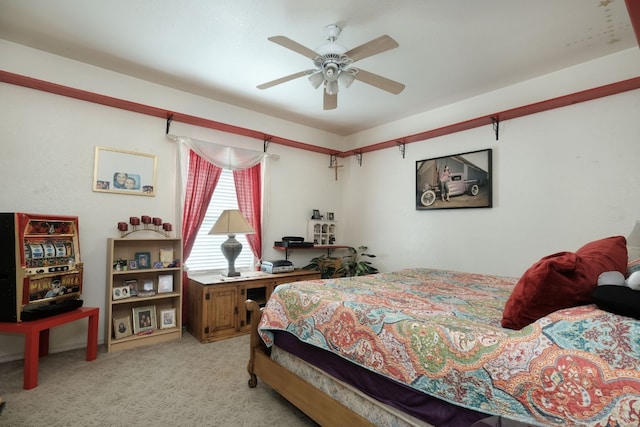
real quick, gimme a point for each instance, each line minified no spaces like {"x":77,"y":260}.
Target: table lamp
{"x":231,"y":222}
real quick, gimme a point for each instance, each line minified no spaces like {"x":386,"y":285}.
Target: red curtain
{"x":249,"y":192}
{"x":201,"y":181}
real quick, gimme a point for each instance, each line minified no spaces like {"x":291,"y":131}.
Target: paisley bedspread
{"x":439,"y":332}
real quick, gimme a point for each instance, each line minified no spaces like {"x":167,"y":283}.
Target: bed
{"x":429,"y":347}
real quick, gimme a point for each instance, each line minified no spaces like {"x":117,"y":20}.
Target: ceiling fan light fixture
{"x":346,"y":77}
{"x":316,"y":79}
{"x":332,"y":87}
{"x":331,"y":71}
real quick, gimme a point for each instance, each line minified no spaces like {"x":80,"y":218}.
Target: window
{"x":206,"y":254}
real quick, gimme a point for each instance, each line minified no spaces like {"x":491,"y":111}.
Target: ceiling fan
{"x":333,"y":64}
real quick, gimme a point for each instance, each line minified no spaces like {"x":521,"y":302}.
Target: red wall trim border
{"x":563,"y":101}
{"x":513,"y":113}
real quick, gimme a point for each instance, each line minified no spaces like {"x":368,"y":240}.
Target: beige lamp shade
{"x":231,"y":221}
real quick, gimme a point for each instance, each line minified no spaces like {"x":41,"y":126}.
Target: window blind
{"x":206,"y":254}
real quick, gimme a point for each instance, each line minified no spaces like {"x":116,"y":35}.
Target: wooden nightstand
{"x":216,"y":303}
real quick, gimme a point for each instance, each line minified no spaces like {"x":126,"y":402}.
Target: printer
{"x":278,"y":266}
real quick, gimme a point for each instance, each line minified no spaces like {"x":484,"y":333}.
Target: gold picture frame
{"x":168,"y":318}
{"x":144,"y":319}
{"x":121,"y":327}
{"x":124,"y":172}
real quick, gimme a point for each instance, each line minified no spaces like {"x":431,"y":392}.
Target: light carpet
{"x":178,"y":383}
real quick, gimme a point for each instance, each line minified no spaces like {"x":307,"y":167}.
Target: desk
{"x":36,"y":343}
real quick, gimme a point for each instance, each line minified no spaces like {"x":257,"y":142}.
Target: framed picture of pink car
{"x":454,"y":182}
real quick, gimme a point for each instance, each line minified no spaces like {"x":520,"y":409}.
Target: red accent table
{"x":36,"y":343}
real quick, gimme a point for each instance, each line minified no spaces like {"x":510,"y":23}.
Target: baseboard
{"x":53,"y":349}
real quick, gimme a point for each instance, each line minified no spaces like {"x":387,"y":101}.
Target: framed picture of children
{"x":144,"y":319}
{"x":124,"y":172}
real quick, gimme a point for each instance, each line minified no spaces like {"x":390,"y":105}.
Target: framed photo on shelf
{"x":133,"y":287}
{"x":168,"y":318}
{"x":143,"y":259}
{"x":120,"y":292}
{"x":166,"y":256}
{"x":133,"y":264}
{"x":165,"y":283}
{"x":124,"y":172}
{"x":121,"y":327}
{"x":144,"y":319}
{"x":147,"y":289}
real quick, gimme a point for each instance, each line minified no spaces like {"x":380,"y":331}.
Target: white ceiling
{"x":449,"y":50}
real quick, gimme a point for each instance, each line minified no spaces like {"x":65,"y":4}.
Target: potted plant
{"x":327,"y":266}
{"x":354,"y":265}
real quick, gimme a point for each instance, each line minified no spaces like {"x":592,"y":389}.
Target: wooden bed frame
{"x":319,"y":406}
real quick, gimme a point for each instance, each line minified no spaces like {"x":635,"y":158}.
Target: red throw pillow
{"x":563,"y":280}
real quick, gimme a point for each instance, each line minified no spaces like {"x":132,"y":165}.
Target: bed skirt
{"x":381,"y":400}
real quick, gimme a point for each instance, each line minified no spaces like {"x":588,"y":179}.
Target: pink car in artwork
{"x":457,"y":186}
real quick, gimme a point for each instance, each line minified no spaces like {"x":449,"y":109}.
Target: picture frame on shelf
{"x":144,"y":319}
{"x":166,"y":256}
{"x":133,"y":287}
{"x":147,"y":289}
{"x":143,"y":259}
{"x":121,"y":327}
{"x":120,"y":265}
{"x":120,"y":292}
{"x":168,"y":318}
{"x":133,"y":264}
{"x":329,"y":216}
{"x":165,"y":283}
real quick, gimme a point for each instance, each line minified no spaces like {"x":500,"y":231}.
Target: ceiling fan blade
{"x":294,"y":46}
{"x":330,"y":101}
{"x":373,"y":47}
{"x":379,"y":82}
{"x":286,"y":79}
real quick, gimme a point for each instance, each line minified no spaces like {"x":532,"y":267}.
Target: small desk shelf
{"x":329,"y":249}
